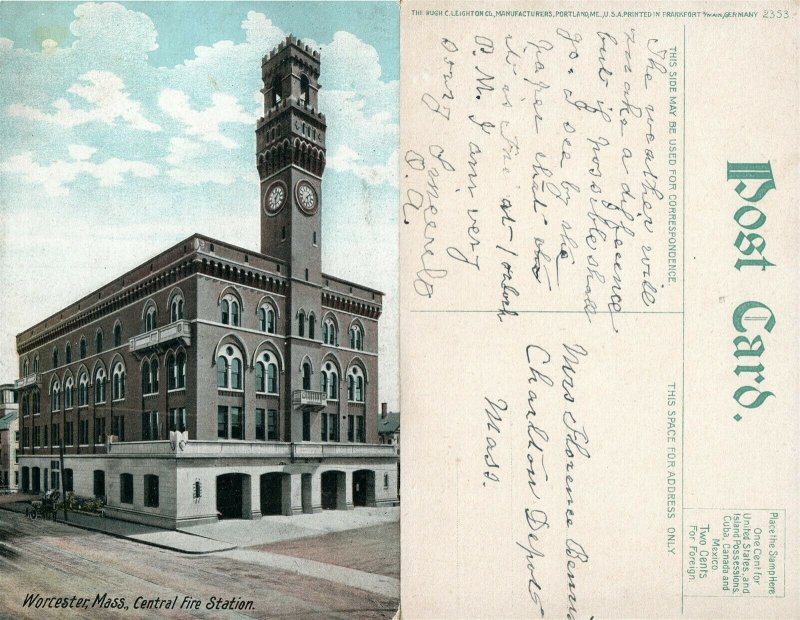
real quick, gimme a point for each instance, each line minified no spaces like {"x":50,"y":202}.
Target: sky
{"x":127,"y":127}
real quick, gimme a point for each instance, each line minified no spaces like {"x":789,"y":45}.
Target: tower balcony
{"x":32,"y":379}
{"x":161,"y":338}
{"x":309,"y":400}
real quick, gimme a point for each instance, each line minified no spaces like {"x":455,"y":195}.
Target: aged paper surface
{"x":599,"y":307}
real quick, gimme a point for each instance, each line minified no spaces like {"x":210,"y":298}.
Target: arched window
{"x":176,"y":371}
{"x":83,"y":389}
{"x":312,"y":324}
{"x":355,"y":385}
{"x":304,"y":89}
{"x":329,"y":332}
{"x":277,"y":91}
{"x":100,"y":385}
{"x":229,"y":368}
{"x":150,"y":376}
{"x":301,"y":324}
{"x":68,"y":354}
{"x":35,"y":400}
{"x":55,"y":396}
{"x":118,"y":382}
{"x":266,"y":319}
{"x":306,"y":376}
{"x":36,"y":363}
{"x":176,"y":309}
{"x":55,"y":357}
{"x":98,"y":341}
{"x":356,"y":338}
{"x":69,"y":386}
{"x":180,"y":369}
{"x":26,"y":367}
{"x":329,"y":381}
{"x":150,"y":318}
{"x":25,"y":409}
{"x":229,"y":311}
{"x":267,"y":373}
{"x":82,"y":348}
{"x":117,"y":335}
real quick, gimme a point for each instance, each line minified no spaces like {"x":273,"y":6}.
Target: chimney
{"x":383,"y":410}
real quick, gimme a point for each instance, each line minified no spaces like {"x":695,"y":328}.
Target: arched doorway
{"x":233,"y":496}
{"x":276,"y":494}
{"x":364,"y":487}
{"x":334,"y":490}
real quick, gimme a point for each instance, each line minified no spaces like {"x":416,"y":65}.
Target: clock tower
{"x":290,"y":146}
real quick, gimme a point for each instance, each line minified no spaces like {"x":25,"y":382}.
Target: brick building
{"x":9,"y":474}
{"x":212,"y":380}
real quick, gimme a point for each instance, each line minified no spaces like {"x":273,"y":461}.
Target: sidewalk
{"x":173,"y":540}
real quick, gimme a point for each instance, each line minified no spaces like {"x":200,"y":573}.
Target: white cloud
{"x":80,"y":152}
{"x":188,"y":167}
{"x":346,"y":159}
{"x":110,"y":30}
{"x":55,"y":177}
{"x":204,"y":123}
{"x":105,"y":92}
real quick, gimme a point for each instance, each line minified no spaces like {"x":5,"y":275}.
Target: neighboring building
{"x":214,"y":380}
{"x":9,"y":475}
{"x":389,"y":434}
{"x":389,"y":427}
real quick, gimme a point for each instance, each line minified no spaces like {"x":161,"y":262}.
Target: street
{"x":55,"y":560}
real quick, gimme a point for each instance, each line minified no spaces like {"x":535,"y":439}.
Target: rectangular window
{"x":324,"y":427}
{"x":99,"y":430}
{"x":83,"y":432}
{"x":237,"y":423}
{"x":56,"y":435}
{"x":272,"y":425}
{"x":37,"y":436}
{"x":177,"y":419}
{"x":360,"y":430}
{"x":306,"y":426}
{"x":150,"y":426}
{"x":351,"y":428}
{"x":118,"y":427}
{"x":68,"y":481}
{"x":333,"y":427}
{"x":151,"y":491}
{"x":54,"y":479}
{"x":126,"y":488}
{"x":222,"y":422}
{"x":260,"y":425}
{"x":45,"y":437}
{"x":68,"y":438}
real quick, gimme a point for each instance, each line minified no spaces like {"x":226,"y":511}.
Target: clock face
{"x":306,"y":197}
{"x":275,"y":198}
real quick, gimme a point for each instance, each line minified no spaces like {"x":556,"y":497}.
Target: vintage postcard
{"x":199,"y":350}
{"x":598,"y":285}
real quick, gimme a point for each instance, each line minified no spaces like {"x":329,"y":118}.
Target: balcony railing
{"x":33,"y":379}
{"x":250,"y":449}
{"x":309,"y":400}
{"x":162,"y":336}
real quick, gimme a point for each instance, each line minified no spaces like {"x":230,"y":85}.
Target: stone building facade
{"x":212,"y":380}
{"x":9,"y":474}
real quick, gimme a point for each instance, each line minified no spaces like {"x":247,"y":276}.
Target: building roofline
{"x":96,"y":297}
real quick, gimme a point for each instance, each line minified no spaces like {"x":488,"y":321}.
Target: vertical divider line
{"x":683,"y":318}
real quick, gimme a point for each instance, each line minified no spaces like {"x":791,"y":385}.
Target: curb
{"x":136,"y":540}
